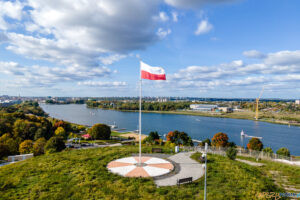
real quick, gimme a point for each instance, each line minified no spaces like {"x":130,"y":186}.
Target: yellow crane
{"x":257,"y":101}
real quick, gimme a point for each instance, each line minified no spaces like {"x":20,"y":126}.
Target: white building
{"x":297,"y":102}
{"x":202,"y":107}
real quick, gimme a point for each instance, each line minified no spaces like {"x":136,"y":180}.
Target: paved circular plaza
{"x":149,"y":167}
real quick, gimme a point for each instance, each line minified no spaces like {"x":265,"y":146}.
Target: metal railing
{"x":241,"y":152}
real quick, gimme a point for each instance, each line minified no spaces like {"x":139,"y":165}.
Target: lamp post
{"x":205,"y":170}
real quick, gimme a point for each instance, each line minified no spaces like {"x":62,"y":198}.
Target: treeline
{"x":149,"y":106}
{"x":25,"y":108}
{"x":23,"y":126}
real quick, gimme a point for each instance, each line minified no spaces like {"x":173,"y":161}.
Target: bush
{"x":268,"y":150}
{"x":38,"y":147}
{"x":255,"y":144}
{"x":26,"y":147}
{"x":4,"y":151}
{"x":231,"y":153}
{"x":55,"y":144}
{"x":100,"y":132}
{"x":220,"y":140}
{"x":11,"y":143}
{"x":283,"y":152}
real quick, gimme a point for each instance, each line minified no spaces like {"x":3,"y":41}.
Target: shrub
{"x":54,"y":144}
{"x":268,"y":150}
{"x":38,"y":147}
{"x":255,"y":144}
{"x":4,"y":151}
{"x":231,"y":153}
{"x":283,"y":152}
{"x":100,"y":132}
{"x":26,"y":147}
{"x":220,"y":140}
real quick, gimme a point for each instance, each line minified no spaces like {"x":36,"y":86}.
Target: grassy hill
{"x":82,"y":174}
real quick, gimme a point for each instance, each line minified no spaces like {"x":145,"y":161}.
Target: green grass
{"x":287,"y":175}
{"x":229,"y":179}
{"x":82,"y":174}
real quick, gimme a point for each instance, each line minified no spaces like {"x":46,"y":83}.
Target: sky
{"x":208,"y":48}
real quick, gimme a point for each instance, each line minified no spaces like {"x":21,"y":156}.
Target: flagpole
{"x":140,"y":121}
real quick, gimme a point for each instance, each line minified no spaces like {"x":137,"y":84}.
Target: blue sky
{"x":208,"y":48}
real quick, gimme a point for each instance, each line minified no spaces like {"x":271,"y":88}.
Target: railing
{"x":241,"y":152}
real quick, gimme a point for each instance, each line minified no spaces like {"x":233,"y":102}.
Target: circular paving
{"x":149,"y":167}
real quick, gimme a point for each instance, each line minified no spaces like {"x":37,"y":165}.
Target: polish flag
{"x":152,"y":73}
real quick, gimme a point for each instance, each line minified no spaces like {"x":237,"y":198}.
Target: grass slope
{"x":82,"y":174}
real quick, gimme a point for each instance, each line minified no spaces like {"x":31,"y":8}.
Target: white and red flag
{"x":152,"y":73}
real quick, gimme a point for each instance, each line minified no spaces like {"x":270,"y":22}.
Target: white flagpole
{"x":140,"y":120}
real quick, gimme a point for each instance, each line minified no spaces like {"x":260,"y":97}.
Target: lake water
{"x":274,"y":135}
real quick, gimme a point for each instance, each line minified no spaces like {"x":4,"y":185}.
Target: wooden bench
{"x":156,"y":150}
{"x":184,"y":180}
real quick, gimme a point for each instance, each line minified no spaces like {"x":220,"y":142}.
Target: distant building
{"x":203,"y":107}
{"x":297,"y":102}
{"x":225,"y":109}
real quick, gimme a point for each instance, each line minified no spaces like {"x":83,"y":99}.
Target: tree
{"x":153,"y":135}
{"x":11,"y":142}
{"x":202,"y":143}
{"x":268,"y":150}
{"x":179,"y":138}
{"x":283,"y":152}
{"x":255,"y":144}
{"x":38,"y":146}
{"x":220,"y":140}
{"x":60,"y":132}
{"x":231,"y":153}
{"x":4,"y":151}
{"x":100,"y":132}
{"x":55,"y":144}
{"x":26,"y":147}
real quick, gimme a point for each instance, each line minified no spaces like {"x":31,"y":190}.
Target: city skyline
{"x":223,"y":48}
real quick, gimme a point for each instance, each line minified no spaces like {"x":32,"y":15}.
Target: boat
{"x":113,"y":126}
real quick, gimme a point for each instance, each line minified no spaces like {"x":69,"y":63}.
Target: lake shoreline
{"x":203,"y":114}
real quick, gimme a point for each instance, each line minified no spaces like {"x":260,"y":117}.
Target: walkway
{"x":188,"y":168}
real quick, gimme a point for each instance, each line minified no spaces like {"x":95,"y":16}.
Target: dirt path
{"x":250,"y":163}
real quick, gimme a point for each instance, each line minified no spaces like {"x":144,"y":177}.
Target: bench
{"x":184,"y":180}
{"x":156,"y":150}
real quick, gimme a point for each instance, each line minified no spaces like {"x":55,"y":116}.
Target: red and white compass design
{"x":149,"y":167}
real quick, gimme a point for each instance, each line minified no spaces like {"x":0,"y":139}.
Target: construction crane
{"x":257,"y":101}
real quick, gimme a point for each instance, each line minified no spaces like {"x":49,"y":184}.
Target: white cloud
{"x":162,"y":16}
{"x":115,"y":84}
{"x":194,"y":4}
{"x":108,"y":60}
{"x":162,"y":33}
{"x":203,"y":27}
{"x":48,"y":76}
{"x":283,"y":58}
{"x":277,"y":69}
{"x":175,"y":16}
{"x":10,"y":9}
{"x":254,"y":54}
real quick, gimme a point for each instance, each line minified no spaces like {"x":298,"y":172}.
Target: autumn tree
{"x":60,"y":132}
{"x":255,"y":144}
{"x":220,"y":140}
{"x":26,"y":147}
{"x":100,"y":132}
{"x":179,"y":138}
